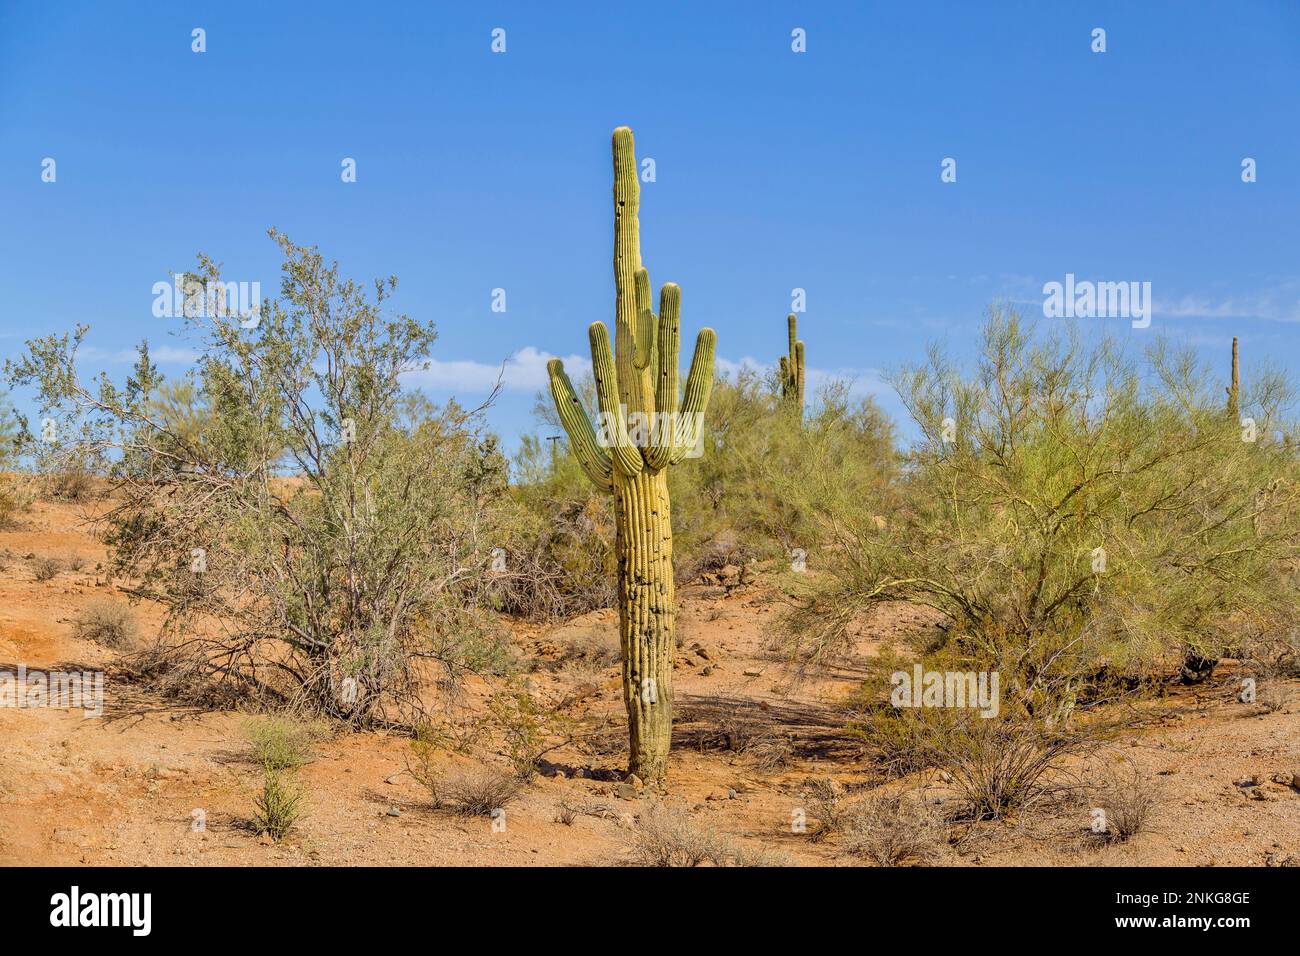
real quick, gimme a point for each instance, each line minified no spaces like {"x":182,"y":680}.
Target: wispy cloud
{"x":525,"y":370}
{"x":162,"y":354}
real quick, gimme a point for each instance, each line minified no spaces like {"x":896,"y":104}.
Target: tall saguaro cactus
{"x":1234,"y":393}
{"x":647,"y":424}
{"x":792,"y":369}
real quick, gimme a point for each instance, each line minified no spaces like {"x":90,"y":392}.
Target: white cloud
{"x":163,"y":354}
{"x":523,"y":371}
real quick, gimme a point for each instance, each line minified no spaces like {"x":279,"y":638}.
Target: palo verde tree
{"x":792,"y":368}
{"x":645,"y":426}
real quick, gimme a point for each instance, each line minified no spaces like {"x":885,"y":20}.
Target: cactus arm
{"x":627,"y":262}
{"x":699,"y":386}
{"x":666,"y":384}
{"x":595,"y":461}
{"x":785,"y":377}
{"x":645,"y":322}
{"x":626,"y":457}
{"x":799,"y":375}
{"x":792,"y":331}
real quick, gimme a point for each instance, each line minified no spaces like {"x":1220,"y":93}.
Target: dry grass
{"x":106,"y":623}
{"x":1127,"y":798}
{"x":898,"y":829}
{"x":669,"y":838}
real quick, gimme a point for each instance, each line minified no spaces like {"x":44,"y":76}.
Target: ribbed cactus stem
{"x":1234,"y":392}
{"x":645,"y":426}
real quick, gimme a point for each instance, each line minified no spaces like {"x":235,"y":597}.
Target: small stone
{"x":635,"y":781}
{"x":625,"y":791}
{"x":754,"y":672}
{"x":731,"y":793}
{"x":626,"y":821}
{"x":393,"y":812}
{"x":708,"y":669}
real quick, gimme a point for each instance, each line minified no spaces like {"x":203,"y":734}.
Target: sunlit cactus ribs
{"x":646,"y":423}
{"x":792,"y":368}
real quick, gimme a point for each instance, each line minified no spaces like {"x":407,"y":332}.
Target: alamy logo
{"x":660,"y":430}
{"x":103,"y":909}
{"x":1098,"y":300}
{"x":64,"y":690}
{"x":921,"y":688}
{"x":189,"y":298}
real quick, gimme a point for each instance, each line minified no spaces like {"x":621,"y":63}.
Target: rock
{"x":393,"y":779}
{"x":707,"y":670}
{"x":729,"y":574}
{"x":1295,"y":780}
{"x":581,"y":773}
{"x":626,"y":821}
{"x":753,"y":672}
{"x":635,"y":781}
{"x":393,"y":812}
{"x":1257,"y":794}
{"x":625,"y":791}
{"x":731,"y":793}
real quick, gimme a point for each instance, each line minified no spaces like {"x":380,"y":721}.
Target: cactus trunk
{"x":646,"y":616}
{"x":647,"y":422}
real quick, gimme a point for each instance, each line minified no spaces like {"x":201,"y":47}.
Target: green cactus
{"x":1234,"y":393}
{"x":647,"y":424}
{"x":792,"y":368}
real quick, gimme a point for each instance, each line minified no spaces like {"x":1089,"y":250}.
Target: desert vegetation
{"x":292,"y":534}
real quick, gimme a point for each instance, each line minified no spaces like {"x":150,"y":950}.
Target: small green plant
{"x":106,"y":623}
{"x":280,"y":743}
{"x":279,"y":805}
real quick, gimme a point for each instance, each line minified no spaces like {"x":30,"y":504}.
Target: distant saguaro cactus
{"x":792,"y":368}
{"x":646,"y":425}
{"x":1234,"y":393}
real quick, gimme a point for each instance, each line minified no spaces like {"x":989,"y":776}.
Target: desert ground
{"x":123,"y":788}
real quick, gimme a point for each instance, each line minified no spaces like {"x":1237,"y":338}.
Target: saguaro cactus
{"x":646,"y":425}
{"x":1234,"y":393}
{"x":792,"y":371}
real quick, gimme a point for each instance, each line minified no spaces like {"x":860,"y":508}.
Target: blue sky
{"x":775,"y":170}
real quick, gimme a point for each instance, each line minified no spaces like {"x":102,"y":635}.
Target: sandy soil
{"x":123,"y":788}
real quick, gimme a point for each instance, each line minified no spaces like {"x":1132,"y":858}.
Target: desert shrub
{"x":1270,"y":661}
{"x":996,"y":765}
{"x":107,"y":623}
{"x":1070,"y":515}
{"x":530,"y":730}
{"x":894,"y":829}
{"x":46,"y":568}
{"x":559,"y":554}
{"x":281,"y":743}
{"x":471,"y":793}
{"x":826,"y":800}
{"x":297,"y":508}
{"x":1127,"y":797}
{"x":15,"y":490}
{"x":279,"y":805}
{"x":670,"y":838}
{"x":73,"y":483}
